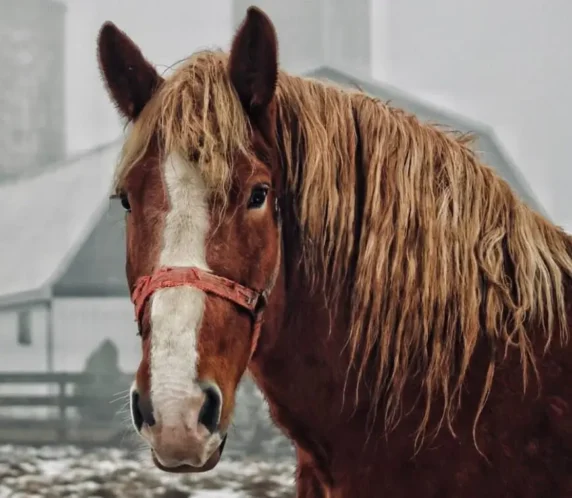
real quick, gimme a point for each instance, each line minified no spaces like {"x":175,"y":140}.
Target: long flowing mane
{"x":439,"y":250}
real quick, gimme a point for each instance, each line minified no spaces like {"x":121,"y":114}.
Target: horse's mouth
{"x":189,"y":469}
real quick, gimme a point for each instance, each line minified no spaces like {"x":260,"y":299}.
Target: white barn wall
{"x":15,"y":357}
{"x":79,"y":326}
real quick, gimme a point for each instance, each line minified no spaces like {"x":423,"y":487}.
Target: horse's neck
{"x":301,"y":363}
{"x":299,"y":312}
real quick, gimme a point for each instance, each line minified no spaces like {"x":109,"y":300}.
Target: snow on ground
{"x":53,"y":472}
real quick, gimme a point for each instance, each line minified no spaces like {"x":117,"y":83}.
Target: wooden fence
{"x":80,"y":406}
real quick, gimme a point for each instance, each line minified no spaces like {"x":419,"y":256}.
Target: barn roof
{"x":487,"y":144}
{"x":44,"y":220}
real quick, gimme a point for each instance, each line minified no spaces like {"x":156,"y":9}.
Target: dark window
{"x":24,"y":328}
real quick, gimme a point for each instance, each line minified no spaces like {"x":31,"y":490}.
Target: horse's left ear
{"x":253,"y":64}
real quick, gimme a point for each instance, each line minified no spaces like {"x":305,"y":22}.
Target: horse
{"x":403,"y":312}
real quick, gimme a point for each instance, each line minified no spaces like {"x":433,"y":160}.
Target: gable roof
{"x":487,"y":144}
{"x":44,"y":220}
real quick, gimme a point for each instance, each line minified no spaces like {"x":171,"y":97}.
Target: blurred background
{"x":501,"y":69}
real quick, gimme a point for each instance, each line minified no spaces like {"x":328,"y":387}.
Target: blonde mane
{"x":440,"y":251}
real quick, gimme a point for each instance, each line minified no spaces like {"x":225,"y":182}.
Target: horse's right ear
{"x":130,"y":79}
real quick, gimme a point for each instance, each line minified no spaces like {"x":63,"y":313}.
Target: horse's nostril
{"x":210,"y":412}
{"x":141,"y":410}
{"x":135,"y":413}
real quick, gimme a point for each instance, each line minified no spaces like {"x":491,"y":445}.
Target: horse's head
{"x":199,"y":180}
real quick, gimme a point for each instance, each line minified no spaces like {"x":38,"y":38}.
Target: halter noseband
{"x":249,"y":299}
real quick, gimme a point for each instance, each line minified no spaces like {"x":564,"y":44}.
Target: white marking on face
{"x":176,"y":313}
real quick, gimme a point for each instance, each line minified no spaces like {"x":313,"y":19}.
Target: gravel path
{"x":27,"y":472}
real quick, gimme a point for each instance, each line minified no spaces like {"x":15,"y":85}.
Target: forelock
{"x":197,"y":114}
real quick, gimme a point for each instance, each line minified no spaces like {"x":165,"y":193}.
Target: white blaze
{"x":176,"y":313}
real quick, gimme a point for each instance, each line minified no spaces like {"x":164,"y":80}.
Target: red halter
{"x":249,"y":299}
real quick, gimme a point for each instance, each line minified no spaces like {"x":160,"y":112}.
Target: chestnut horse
{"x":403,"y":312}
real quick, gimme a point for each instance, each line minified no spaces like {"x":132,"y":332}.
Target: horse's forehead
{"x":228,"y":166}
{"x":144,"y":174}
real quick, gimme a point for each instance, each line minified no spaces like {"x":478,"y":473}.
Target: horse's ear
{"x":253,"y":64}
{"x":130,"y":79}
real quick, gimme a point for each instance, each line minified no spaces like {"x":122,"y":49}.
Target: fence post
{"x":62,"y":429}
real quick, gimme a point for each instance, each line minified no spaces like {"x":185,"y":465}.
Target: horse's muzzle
{"x":210,"y":464}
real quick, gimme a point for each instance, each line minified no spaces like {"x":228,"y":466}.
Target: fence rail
{"x":55,"y":377}
{"x":90,"y":395}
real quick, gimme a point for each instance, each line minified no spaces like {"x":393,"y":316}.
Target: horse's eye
{"x":125,"y":202}
{"x":258,"y":196}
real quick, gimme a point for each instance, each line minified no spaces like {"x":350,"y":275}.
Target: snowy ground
{"x":27,"y":472}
